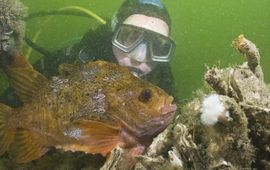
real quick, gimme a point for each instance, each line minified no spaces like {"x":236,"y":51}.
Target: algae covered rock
{"x":223,"y":128}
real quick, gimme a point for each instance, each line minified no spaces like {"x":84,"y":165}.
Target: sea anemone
{"x":212,"y":110}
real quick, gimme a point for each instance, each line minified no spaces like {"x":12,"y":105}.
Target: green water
{"x":203,"y":31}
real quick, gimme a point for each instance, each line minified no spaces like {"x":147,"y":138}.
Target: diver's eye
{"x":145,"y":95}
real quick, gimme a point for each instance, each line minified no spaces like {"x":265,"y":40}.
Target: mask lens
{"x":161,"y":48}
{"x":128,"y":37}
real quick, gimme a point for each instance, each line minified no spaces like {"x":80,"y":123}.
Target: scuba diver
{"x":138,"y":38}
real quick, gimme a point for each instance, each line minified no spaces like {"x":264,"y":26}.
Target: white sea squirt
{"x":212,"y":110}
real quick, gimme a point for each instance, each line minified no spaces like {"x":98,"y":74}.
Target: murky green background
{"x":203,"y":31}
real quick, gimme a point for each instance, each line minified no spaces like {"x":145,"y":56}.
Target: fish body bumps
{"x":91,"y":107}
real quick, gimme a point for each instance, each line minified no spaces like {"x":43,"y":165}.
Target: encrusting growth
{"x":199,"y":139}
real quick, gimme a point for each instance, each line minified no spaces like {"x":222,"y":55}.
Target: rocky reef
{"x":12,"y":13}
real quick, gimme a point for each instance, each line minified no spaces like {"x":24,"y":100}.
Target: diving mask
{"x":128,"y":37}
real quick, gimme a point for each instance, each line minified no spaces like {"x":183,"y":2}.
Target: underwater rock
{"x":115,"y":160}
{"x":259,"y":126}
{"x":252,"y":95}
{"x":12,"y":13}
{"x":225,"y":140}
{"x":161,"y":143}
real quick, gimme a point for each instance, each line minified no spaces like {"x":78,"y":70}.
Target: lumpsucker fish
{"x":90,"y":107}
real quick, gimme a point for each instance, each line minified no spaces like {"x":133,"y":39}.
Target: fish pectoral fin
{"x":26,"y":82}
{"x":26,"y":147}
{"x":94,"y":137}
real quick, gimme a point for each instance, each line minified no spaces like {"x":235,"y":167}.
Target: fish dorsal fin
{"x":6,"y":133}
{"x":26,"y":82}
{"x":26,"y":147}
{"x":93,"y":137}
{"x":67,"y":69}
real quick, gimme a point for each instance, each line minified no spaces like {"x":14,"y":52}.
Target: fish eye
{"x":145,"y":95}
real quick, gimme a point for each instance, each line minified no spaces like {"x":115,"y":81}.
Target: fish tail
{"x":22,"y":145}
{"x":6,"y":132}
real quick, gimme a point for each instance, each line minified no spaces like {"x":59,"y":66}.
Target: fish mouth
{"x":169,"y":107}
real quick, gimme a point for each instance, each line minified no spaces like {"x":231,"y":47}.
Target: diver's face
{"x":138,"y":60}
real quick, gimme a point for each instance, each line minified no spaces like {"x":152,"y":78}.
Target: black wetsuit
{"x":96,"y":45}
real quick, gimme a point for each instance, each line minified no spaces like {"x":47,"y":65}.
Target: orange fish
{"x":91,"y":107}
